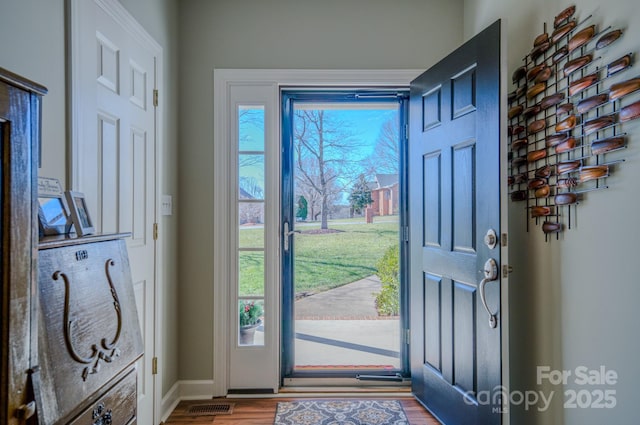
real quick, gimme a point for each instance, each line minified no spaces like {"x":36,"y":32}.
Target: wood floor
{"x":262,"y":411}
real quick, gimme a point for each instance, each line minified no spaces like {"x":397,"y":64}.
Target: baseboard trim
{"x":185,"y":390}
{"x":204,"y":390}
{"x":169,"y":402}
{"x":196,"y":390}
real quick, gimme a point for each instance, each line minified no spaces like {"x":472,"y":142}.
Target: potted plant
{"x":250,"y":317}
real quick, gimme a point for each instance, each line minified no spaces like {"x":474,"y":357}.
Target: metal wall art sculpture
{"x":566,"y":113}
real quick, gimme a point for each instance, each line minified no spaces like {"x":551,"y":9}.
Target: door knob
{"x":490,"y":274}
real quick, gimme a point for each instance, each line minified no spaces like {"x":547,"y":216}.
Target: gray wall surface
{"x":33,"y":46}
{"x":573,"y":301}
{"x":332,"y":34}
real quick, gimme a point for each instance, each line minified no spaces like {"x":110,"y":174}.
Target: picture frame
{"x":79,"y":213}
{"x":53,"y":211}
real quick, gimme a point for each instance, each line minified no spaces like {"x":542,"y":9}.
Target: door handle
{"x":490,"y":274}
{"x":286,"y":234}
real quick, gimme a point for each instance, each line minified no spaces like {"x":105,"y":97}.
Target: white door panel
{"x":114,"y":153}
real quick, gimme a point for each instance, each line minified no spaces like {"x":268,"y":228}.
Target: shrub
{"x":388,"y":299}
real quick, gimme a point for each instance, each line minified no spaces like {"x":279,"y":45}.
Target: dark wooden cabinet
{"x":69,"y":331}
{"x":117,"y":405}
{"x":20,"y":106}
{"x":88,"y":334}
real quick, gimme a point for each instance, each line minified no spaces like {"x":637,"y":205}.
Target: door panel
{"x":126,"y":173}
{"x":432,"y":199}
{"x":116,"y":153}
{"x":454,"y":199}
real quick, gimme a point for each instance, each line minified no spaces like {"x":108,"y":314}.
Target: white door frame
{"x":80,"y":109}
{"x":224,"y":221}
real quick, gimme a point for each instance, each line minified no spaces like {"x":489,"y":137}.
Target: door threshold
{"x":344,"y":384}
{"x":342,"y":390}
{"x":331,"y":392}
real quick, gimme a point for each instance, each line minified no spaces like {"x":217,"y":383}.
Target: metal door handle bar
{"x":490,"y":274}
{"x":286,"y":234}
{"x":493,"y":320}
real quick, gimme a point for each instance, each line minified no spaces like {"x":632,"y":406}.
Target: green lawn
{"x":323,"y":261}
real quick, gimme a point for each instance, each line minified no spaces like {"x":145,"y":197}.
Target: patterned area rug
{"x":341,"y":412}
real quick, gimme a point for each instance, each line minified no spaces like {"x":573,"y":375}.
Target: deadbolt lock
{"x":491,"y":239}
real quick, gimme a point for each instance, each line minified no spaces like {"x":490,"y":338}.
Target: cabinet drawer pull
{"x":100,"y":416}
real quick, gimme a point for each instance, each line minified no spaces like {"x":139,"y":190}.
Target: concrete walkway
{"x":354,"y":301}
{"x":356,"y":343}
{"x":341,"y":327}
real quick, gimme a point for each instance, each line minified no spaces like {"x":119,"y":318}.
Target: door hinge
{"x":155,"y":231}
{"x":506,"y":269}
{"x":154,"y":366}
{"x":405,"y":233}
{"x":155,"y":97}
{"x":407,"y":335}
{"x":503,"y":239}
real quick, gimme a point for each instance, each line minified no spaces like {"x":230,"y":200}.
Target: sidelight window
{"x":251,"y":224}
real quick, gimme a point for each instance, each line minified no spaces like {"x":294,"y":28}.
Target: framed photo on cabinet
{"x":79,"y":213}
{"x":53,"y":211}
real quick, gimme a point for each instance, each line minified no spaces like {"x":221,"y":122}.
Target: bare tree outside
{"x":250,"y":118}
{"x":385,"y":158}
{"x":251,"y":164}
{"x":250,"y":188}
{"x":325,"y":167}
{"x":307,"y":186}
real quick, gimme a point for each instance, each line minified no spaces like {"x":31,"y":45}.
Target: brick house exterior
{"x":385,"y":195}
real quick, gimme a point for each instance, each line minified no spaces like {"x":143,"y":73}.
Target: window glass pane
{"x":251,"y":224}
{"x":251,"y":176}
{"x":251,"y":322}
{"x":251,"y":273}
{"x":251,"y":128}
{"x":251,"y":185}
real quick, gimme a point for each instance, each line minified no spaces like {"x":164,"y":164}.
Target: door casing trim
{"x":222,"y":80}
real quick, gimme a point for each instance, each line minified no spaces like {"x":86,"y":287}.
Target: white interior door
{"x":114,"y":153}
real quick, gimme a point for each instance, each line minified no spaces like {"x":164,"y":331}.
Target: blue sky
{"x":364,"y":126}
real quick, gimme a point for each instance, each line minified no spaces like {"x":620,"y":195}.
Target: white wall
{"x":356,"y":34}
{"x":33,"y":45}
{"x":574,"y":301}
